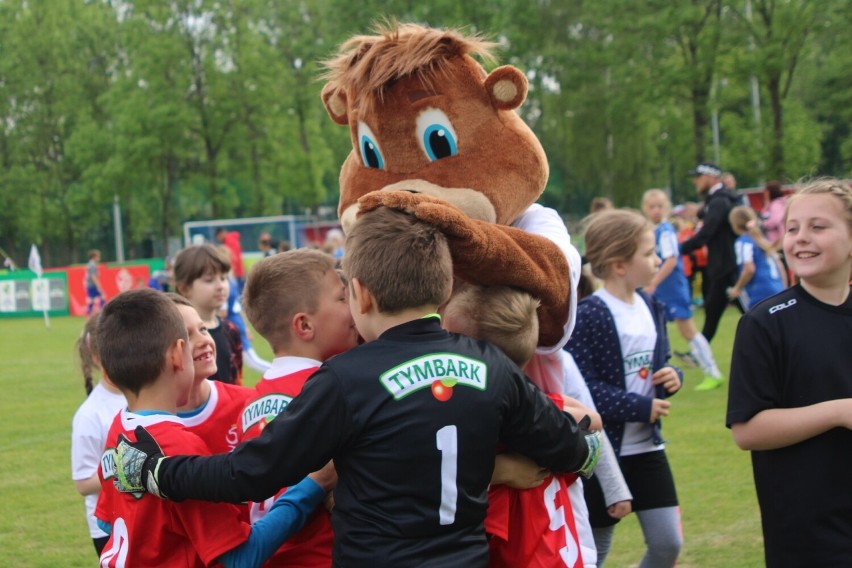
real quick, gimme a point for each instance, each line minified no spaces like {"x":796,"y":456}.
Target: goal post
{"x":298,"y":230}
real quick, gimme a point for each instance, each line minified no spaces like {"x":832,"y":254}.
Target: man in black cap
{"x":715,"y":232}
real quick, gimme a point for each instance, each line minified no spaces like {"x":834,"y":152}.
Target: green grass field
{"x":41,"y":515}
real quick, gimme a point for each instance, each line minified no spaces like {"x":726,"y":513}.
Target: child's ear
{"x":362,"y":297}
{"x":302,"y":326}
{"x":175,"y":355}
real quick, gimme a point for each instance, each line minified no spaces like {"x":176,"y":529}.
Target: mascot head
{"x":425,"y":117}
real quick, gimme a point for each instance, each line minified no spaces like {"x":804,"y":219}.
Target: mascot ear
{"x":335,"y":104}
{"x":507,"y":87}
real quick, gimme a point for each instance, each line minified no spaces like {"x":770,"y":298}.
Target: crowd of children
{"x":447,"y":454}
{"x":146,"y":350}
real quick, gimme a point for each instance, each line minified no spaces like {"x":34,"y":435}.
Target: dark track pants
{"x":716,"y":300}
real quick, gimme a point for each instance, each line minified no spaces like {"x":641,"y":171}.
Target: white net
{"x":295,"y":231}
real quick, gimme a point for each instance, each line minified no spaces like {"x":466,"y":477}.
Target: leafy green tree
{"x":56,"y":68}
{"x":824,"y":86}
{"x":779,"y":33}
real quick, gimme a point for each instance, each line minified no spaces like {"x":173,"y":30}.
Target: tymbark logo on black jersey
{"x":421,"y":372}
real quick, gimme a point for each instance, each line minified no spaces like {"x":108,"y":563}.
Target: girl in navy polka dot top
{"x":621,"y":346}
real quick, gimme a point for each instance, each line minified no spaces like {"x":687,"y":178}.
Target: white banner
{"x":39,"y":292}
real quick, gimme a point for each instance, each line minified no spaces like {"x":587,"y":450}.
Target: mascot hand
{"x":403,"y":200}
{"x":468,"y":239}
{"x":453,"y":222}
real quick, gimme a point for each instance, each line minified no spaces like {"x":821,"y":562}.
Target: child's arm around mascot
{"x":437,"y":136}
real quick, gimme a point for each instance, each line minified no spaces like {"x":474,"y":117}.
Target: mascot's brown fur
{"x":435,"y":135}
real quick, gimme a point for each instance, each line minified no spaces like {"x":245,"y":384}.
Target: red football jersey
{"x":534,"y":527}
{"x":271,"y":395}
{"x":216,"y":421}
{"x":149,"y":531}
{"x":311,"y":546}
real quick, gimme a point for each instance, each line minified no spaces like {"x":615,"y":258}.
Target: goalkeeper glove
{"x":594,"y":441}
{"x":138,"y":464}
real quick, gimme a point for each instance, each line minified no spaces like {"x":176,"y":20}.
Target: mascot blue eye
{"x":371,"y":155}
{"x":435,"y":134}
{"x":439,"y":142}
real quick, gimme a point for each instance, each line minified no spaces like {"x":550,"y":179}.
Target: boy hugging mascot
{"x":437,"y":136}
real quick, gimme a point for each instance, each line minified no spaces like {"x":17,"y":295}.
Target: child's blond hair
{"x":825,"y":186}
{"x":403,"y":262}
{"x":612,"y":236}
{"x":743,"y":221}
{"x":510,"y":322}
{"x":658,"y":193}
{"x":280,"y":286}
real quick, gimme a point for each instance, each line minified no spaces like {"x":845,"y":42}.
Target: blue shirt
{"x":674,"y":290}
{"x":767,"y":278}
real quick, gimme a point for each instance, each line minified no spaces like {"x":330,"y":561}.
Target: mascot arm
{"x":505,"y":256}
{"x":495,"y":255}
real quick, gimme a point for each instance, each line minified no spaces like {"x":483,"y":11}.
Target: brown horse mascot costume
{"x":435,"y":135}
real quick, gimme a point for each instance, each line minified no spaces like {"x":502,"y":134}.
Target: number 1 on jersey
{"x":448,"y":444}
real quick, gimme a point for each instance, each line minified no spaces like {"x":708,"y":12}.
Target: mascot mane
{"x":370,"y":65}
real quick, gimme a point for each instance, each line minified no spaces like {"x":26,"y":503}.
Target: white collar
{"x":288,"y":365}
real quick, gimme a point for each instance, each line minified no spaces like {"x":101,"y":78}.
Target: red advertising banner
{"x":113,"y":280}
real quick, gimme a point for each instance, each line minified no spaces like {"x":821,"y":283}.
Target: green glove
{"x":138,"y":464}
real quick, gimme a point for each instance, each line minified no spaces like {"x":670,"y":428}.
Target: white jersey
{"x":638,"y":337}
{"x":88,"y":435}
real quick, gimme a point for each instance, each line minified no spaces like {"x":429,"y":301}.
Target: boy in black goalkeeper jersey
{"x":412,"y":419}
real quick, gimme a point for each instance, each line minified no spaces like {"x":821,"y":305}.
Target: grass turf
{"x":42,"y":521}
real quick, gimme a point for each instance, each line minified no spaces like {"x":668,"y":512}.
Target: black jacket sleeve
{"x":538,"y":429}
{"x":715,"y":213}
{"x":300,"y":440}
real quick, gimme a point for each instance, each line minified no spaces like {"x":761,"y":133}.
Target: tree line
{"x":195,"y":109}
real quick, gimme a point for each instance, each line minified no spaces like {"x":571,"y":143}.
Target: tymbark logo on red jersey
{"x":265,"y":408}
